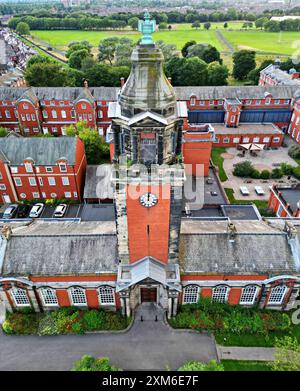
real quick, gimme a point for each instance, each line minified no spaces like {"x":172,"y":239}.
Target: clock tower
{"x":147,"y":135}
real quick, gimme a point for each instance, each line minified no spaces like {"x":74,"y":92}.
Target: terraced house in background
{"x":149,"y":250}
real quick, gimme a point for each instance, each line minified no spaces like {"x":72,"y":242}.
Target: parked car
{"x":23,"y":211}
{"x":60,"y":210}
{"x":36,"y":210}
{"x":209,"y":181}
{"x":244,"y":190}
{"x":259,"y":190}
{"x":214,"y":193}
{"x":10,"y":212}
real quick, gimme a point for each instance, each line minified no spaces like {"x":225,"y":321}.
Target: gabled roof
{"x":43,"y":150}
{"x":147,"y":114}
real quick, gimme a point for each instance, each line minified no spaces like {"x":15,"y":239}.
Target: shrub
{"x":77,"y":328}
{"x":89,"y":363}
{"x":286,"y":168}
{"x":255,"y":174}
{"x":265,"y":174}
{"x":48,"y":326}
{"x":276,"y":173}
{"x":296,"y":172}
{"x":243,"y":169}
{"x":94,"y":320}
{"x":294,"y":152}
{"x":7,"y":327}
{"x":200,"y":366}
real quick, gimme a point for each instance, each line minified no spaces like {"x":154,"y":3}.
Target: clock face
{"x":148,"y":200}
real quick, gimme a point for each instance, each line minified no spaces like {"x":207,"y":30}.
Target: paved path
{"x":245,"y":353}
{"x":147,"y":345}
{"x":225,"y":42}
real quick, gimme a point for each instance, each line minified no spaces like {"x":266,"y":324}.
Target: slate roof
{"x":205,"y":246}
{"x":61,"y":249}
{"x":43,"y":150}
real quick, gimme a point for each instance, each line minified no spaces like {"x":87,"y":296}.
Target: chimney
{"x":290,"y":230}
{"x":6,"y":232}
{"x":122,"y":81}
{"x":231,"y":229}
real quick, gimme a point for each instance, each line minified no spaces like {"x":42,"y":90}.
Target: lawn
{"x":61,"y":38}
{"x":218,"y":161}
{"x":262,"y":205}
{"x":261,"y":41}
{"x":238,"y":365}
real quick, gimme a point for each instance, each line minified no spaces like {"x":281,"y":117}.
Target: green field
{"x":264,"y":42}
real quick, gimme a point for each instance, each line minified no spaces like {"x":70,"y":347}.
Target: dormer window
{"x":193,"y":101}
{"x":28,"y":167}
{"x":62,"y":167}
{"x":25,"y":106}
{"x":83,"y":106}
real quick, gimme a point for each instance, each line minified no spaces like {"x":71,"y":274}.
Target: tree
{"x":207,"y":25}
{"x":163,"y":26}
{"x":243,"y":63}
{"x":133,"y":23}
{"x":272,"y":26}
{"x":45,"y":75}
{"x":95,"y":147}
{"x":76,"y":58}
{"x":287,"y":355}
{"x":23,"y":28}
{"x":123,"y":52}
{"x":260,"y":22}
{"x":196,"y":24}
{"x":200,"y":366}
{"x":169,"y":50}
{"x":107,"y":49}
{"x":89,"y":363}
{"x":38,"y":59}
{"x":254,"y":75}
{"x":217,"y":74}
{"x":243,"y":169}
{"x":194,"y":72}
{"x":3,"y":132}
{"x":207,"y":53}
{"x":76,"y":47}
{"x":184,"y":50}
{"x":225,"y":25}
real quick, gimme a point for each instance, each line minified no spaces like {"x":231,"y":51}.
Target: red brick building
{"x":285,"y":201}
{"x":41,"y":168}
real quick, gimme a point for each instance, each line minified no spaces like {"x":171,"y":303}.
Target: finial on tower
{"x":147,"y":27}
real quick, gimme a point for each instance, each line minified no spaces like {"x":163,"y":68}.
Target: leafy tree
{"x":184,"y":50}
{"x":200,"y":366}
{"x":207,"y":53}
{"x":76,"y":58}
{"x":254,"y":75}
{"x":225,"y":25}
{"x":287,"y":355}
{"x":133,"y":23}
{"x":23,"y":28}
{"x":272,"y":26}
{"x":38,"y":58}
{"x":243,"y":63}
{"x":173,"y":69}
{"x":78,"y":46}
{"x":3,"y":132}
{"x":163,"y":26}
{"x":45,"y":74}
{"x":92,"y":364}
{"x":194,"y":72}
{"x":276,"y":173}
{"x":169,"y":50}
{"x":217,"y":74}
{"x":95,"y":147}
{"x":123,"y":52}
{"x":207,"y":25}
{"x":260,"y":22}
{"x":265,"y":174}
{"x":243,"y":169}
{"x":107,"y":49}
{"x":196,"y":24}
{"x":294,"y":152}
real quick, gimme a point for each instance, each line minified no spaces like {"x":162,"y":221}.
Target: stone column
{"x":127,"y":307}
{"x":33,"y":300}
{"x":170,"y":300}
{"x":4,"y":300}
{"x":175,"y":304}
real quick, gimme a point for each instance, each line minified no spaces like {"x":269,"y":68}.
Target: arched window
{"x":49,"y":296}
{"x":220,"y":293}
{"x":191,"y":294}
{"x":277,"y":294}
{"x":20,"y":297}
{"x":248,"y":295}
{"x":78,"y":296}
{"x":106,"y":295}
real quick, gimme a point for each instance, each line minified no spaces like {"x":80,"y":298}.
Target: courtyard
{"x":264,"y":160}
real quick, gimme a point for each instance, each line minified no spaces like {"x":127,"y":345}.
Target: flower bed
{"x":63,"y":321}
{"x":231,"y":319}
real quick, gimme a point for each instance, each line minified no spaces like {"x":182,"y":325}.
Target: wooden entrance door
{"x":148,"y":295}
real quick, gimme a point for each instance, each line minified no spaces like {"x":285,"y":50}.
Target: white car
{"x":259,"y":190}
{"x":60,"y":210}
{"x":244,"y":190}
{"x":36,"y":210}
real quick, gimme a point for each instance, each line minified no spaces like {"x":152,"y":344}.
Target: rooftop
{"x":291,"y":196}
{"x":98,"y":182}
{"x":263,"y":128}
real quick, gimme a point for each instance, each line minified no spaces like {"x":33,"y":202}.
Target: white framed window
{"x":84,"y":117}
{"x":248,"y":102}
{"x":68,"y":194}
{"x":41,"y":182}
{"x":226,"y":140}
{"x":45,"y":114}
{"x":23,"y":117}
{"x":90,"y":117}
{"x":49,"y":169}
{"x":53,"y":195}
{"x":49,"y":296}
{"x":268,"y":101}
{"x":44,"y":195}
{"x":80,"y":117}
{"x":216,"y":140}
{"x":193,"y":101}
{"x":63,"y":114}
{"x":65,"y":181}
{"x":234,"y":109}
{"x":256,"y":139}
{"x":52,"y":103}
{"x":63,"y":167}
{"x":2,"y":186}
{"x":246,"y":139}
{"x":33,"y":117}
{"x":236,"y":140}
{"x":211,"y":102}
{"x":297,"y":120}
{"x":78,"y":296}
{"x":277,"y":102}
{"x":20,"y":297}
{"x":73,"y":113}
{"x":1,"y":176}
{"x":220,"y":294}
{"x":258,"y":102}
{"x":106,"y":295}
{"x":32,"y":181}
{"x":75,"y":194}
{"x":36,"y":195}
{"x":7,"y":114}
{"x":277,"y":294}
{"x":83,"y":106}
{"x":248,"y":295}
{"x":51,"y":181}
{"x":100,"y":131}
{"x":18,"y":182}
{"x":100,"y":114}
{"x":266,"y":139}
{"x":28,"y":167}
{"x":23,"y":195}
{"x":276,"y":139}
{"x":61,"y":103}
{"x":54,"y":114}
{"x":232,"y":118}
{"x":28,"y":117}
{"x":54,"y":130}
{"x":298,"y":136}
{"x":191,"y":294}
{"x":25,"y":106}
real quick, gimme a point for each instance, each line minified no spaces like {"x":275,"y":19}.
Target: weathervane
{"x":147,"y":27}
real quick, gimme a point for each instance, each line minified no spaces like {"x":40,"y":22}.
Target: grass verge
{"x":218,"y":161}
{"x":240,"y":365}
